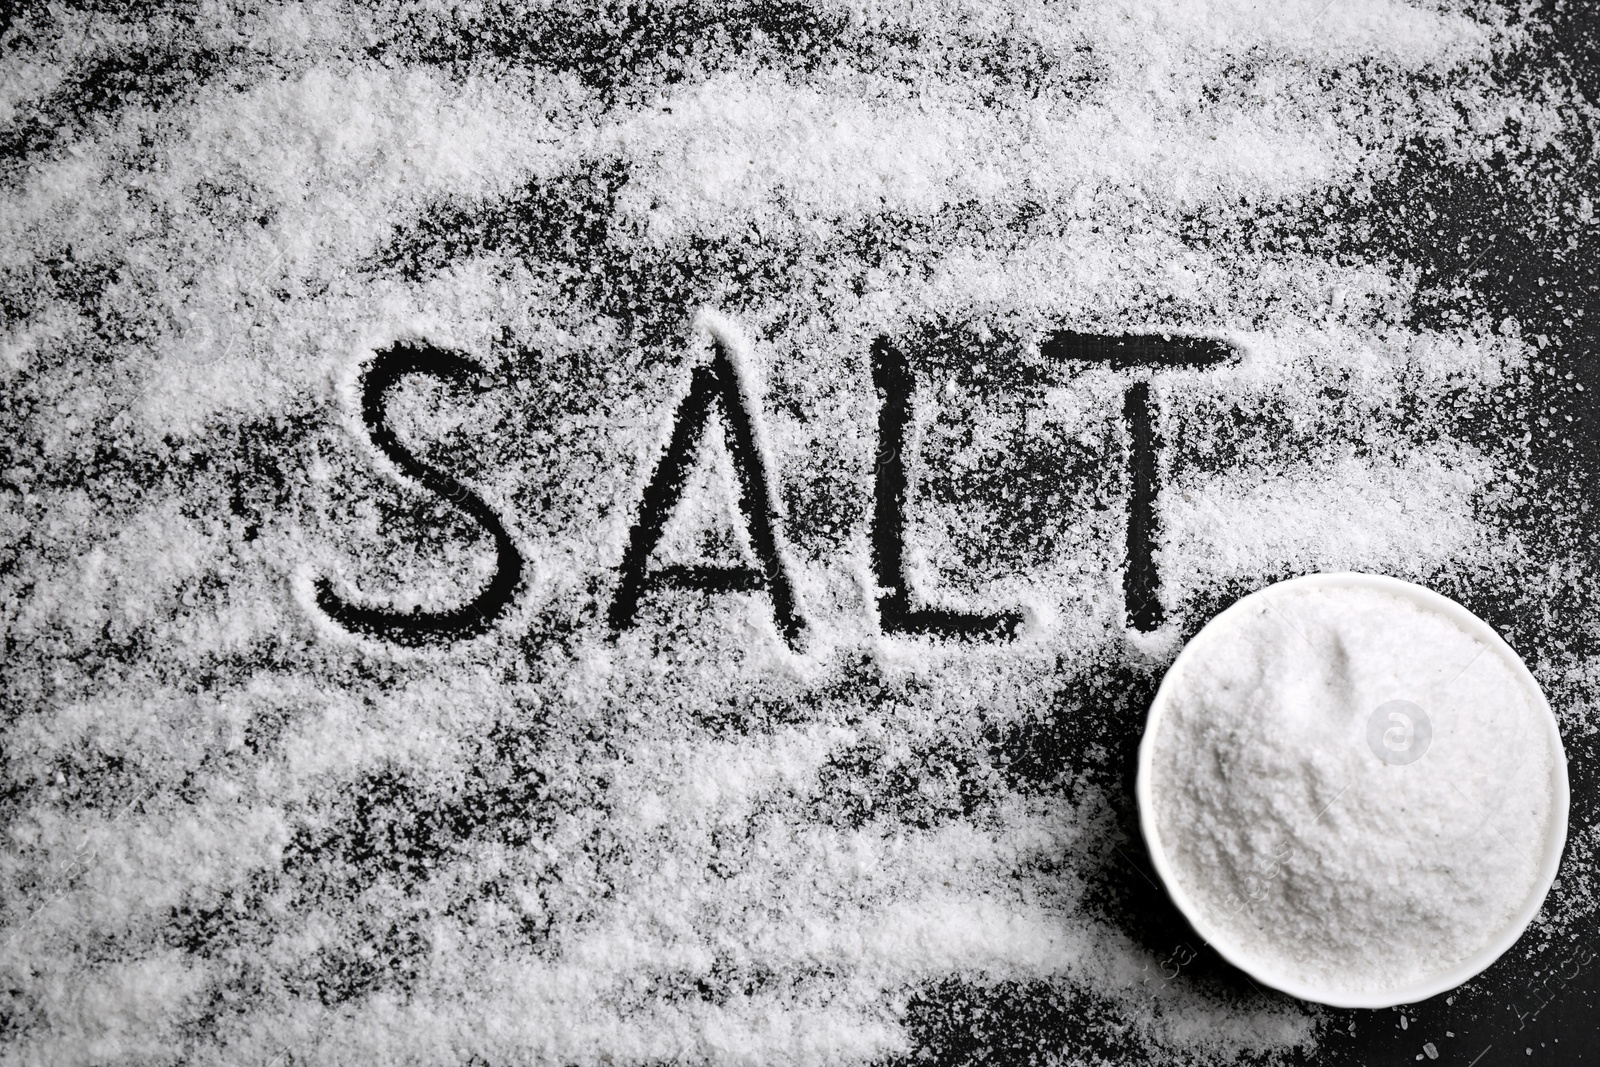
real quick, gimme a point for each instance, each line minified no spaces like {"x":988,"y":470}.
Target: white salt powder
{"x":1352,"y":791}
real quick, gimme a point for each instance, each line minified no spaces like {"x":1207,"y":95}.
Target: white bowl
{"x":1552,"y":847}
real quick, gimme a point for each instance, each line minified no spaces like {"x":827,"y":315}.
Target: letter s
{"x":418,"y":627}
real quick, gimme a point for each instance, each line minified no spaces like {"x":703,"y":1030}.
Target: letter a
{"x":723,"y":382}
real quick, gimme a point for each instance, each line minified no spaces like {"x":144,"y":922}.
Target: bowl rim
{"x":1554,"y":845}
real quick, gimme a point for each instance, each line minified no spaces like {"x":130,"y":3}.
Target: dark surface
{"x":1486,"y":242}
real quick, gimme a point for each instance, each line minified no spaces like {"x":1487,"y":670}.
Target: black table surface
{"x":1532,"y":1006}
